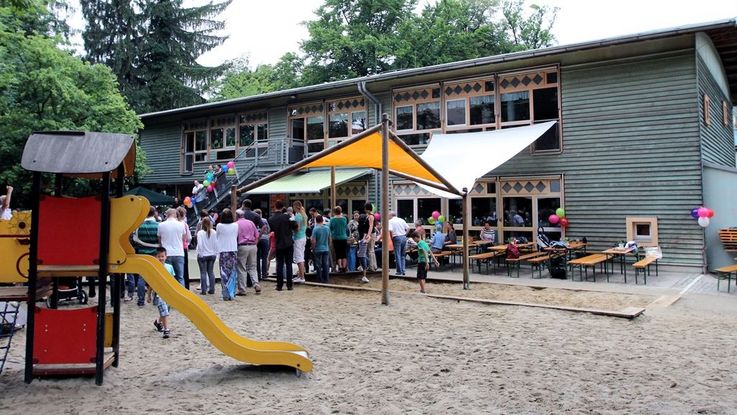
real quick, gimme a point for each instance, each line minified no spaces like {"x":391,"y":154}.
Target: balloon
{"x":703,"y":212}
{"x":231,"y":164}
{"x":377,"y":216}
{"x":225,"y":168}
{"x":206,"y":183}
{"x":231,"y":172}
{"x":710,"y":214}
{"x":435,"y":215}
{"x":695,"y":213}
{"x":209,"y":176}
{"x":564,"y":222}
{"x":560,"y":212}
{"x":431,"y":220}
{"x":441,"y":218}
{"x":703,"y":221}
{"x":210,"y":188}
{"x":188,"y":201}
{"x":553,"y":219}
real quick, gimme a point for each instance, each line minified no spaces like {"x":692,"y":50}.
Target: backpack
{"x":512,"y":251}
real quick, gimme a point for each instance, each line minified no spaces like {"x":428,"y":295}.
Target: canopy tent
{"x":464,"y":158}
{"x":154,"y":198}
{"x":310,"y":182}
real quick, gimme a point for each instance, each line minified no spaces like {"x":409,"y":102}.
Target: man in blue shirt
{"x":321,"y":249}
{"x":438,"y":242}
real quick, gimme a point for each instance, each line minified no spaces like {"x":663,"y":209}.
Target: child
{"x":162,"y":323}
{"x":363,"y":258}
{"x":423,"y":259}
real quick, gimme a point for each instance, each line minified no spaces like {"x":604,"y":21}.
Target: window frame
{"x":633,"y":221}
{"x":405,"y":97}
{"x":333,"y":107}
{"x":707,"y":110}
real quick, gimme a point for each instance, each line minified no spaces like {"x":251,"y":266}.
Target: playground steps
{"x":72,"y":369}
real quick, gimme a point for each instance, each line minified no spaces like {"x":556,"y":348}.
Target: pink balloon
{"x":710,"y":214}
{"x":435,"y":215}
{"x":210,"y":188}
{"x":377,"y":216}
{"x":563,"y":222}
{"x":553,"y":219}
{"x":231,"y":164}
{"x":703,"y":212}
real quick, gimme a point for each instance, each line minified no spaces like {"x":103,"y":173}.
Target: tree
{"x":152,"y":47}
{"x":45,"y":88}
{"x":533,"y":31}
{"x":353,"y":38}
{"x":240,"y":81}
{"x":449,"y":31}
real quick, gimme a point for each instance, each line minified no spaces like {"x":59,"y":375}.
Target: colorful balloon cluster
{"x":436,"y":217}
{"x":559,"y":217}
{"x":703,"y":215}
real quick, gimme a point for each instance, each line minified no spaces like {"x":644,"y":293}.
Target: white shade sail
{"x":310,"y":182}
{"x":464,"y":158}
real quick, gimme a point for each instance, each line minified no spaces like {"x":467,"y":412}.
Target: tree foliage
{"x":352,"y":38}
{"x":152,"y":47}
{"x":44,"y":88}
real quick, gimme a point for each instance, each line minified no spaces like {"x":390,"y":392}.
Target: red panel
{"x":69,"y":231}
{"x":65,"y":336}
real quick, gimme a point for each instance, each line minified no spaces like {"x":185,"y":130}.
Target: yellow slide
{"x":127,"y":213}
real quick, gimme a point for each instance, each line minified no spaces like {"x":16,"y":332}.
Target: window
{"x":307,"y":123}
{"x":644,"y":230}
{"x":518,"y":212}
{"x":194,"y":144}
{"x":483,"y":209}
{"x":346,"y":116}
{"x":707,"y":110}
{"x":417,"y":114}
{"x":254,"y":128}
{"x":455,"y":211}
{"x":222,"y":138}
{"x":406,"y":210}
{"x":469,"y":103}
{"x":529,"y":98}
{"x":426,"y":206}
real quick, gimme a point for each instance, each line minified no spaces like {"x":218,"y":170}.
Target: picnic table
{"x":620,"y":254}
{"x":568,"y":249}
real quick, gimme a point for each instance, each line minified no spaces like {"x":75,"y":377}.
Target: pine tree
{"x":152,"y":47}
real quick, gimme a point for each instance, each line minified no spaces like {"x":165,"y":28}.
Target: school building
{"x":644,"y":134}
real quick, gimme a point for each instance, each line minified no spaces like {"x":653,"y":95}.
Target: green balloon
{"x":560,"y":212}
{"x":431,"y":220}
{"x":441,"y":218}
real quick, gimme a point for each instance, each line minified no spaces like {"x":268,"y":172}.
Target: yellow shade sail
{"x":366,"y":152}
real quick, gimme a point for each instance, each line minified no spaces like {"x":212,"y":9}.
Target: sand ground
{"x":417,"y":356}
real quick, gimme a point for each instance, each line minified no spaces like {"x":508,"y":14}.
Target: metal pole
{"x":333,"y":197}
{"x":466,"y":279}
{"x":102,"y":277}
{"x":118,"y":279}
{"x":32,"y":275}
{"x":384,"y":209}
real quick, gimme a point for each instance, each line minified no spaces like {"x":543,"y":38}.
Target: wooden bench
{"x":539,"y":263}
{"x":726,"y":273}
{"x":515,"y":262}
{"x":486,"y":257}
{"x":644,"y":266}
{"x":440,"y":255}
{"x":584,"y":263}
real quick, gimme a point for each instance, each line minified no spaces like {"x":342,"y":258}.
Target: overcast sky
{"x":265,"y":30}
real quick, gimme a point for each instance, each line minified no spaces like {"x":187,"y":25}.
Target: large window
{"x":194,"y":144}
{"x":222,"y":138}
{"x":307,"y":123}
{"x":254,"y":128}
{"x":346,"y":117}
{"x":406,"y":210}
{"x":426,"y":206}
{"x":530,"y":98}
{"x":469,"y":104}
{"x":417,"y":113}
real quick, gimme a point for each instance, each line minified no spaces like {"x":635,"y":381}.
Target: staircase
{"x":259,"y":163}
{"x":8,"y":316}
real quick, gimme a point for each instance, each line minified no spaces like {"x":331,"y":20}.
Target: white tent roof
{"x":464,"y":158}
{"x":310,"y":182}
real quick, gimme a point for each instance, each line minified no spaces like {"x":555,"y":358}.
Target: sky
{"x":263,"y":31}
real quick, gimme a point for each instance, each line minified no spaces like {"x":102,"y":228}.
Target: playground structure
{"x":89,"y":236}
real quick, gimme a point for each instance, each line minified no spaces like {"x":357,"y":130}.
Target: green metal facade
{"x":632,"y":143}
